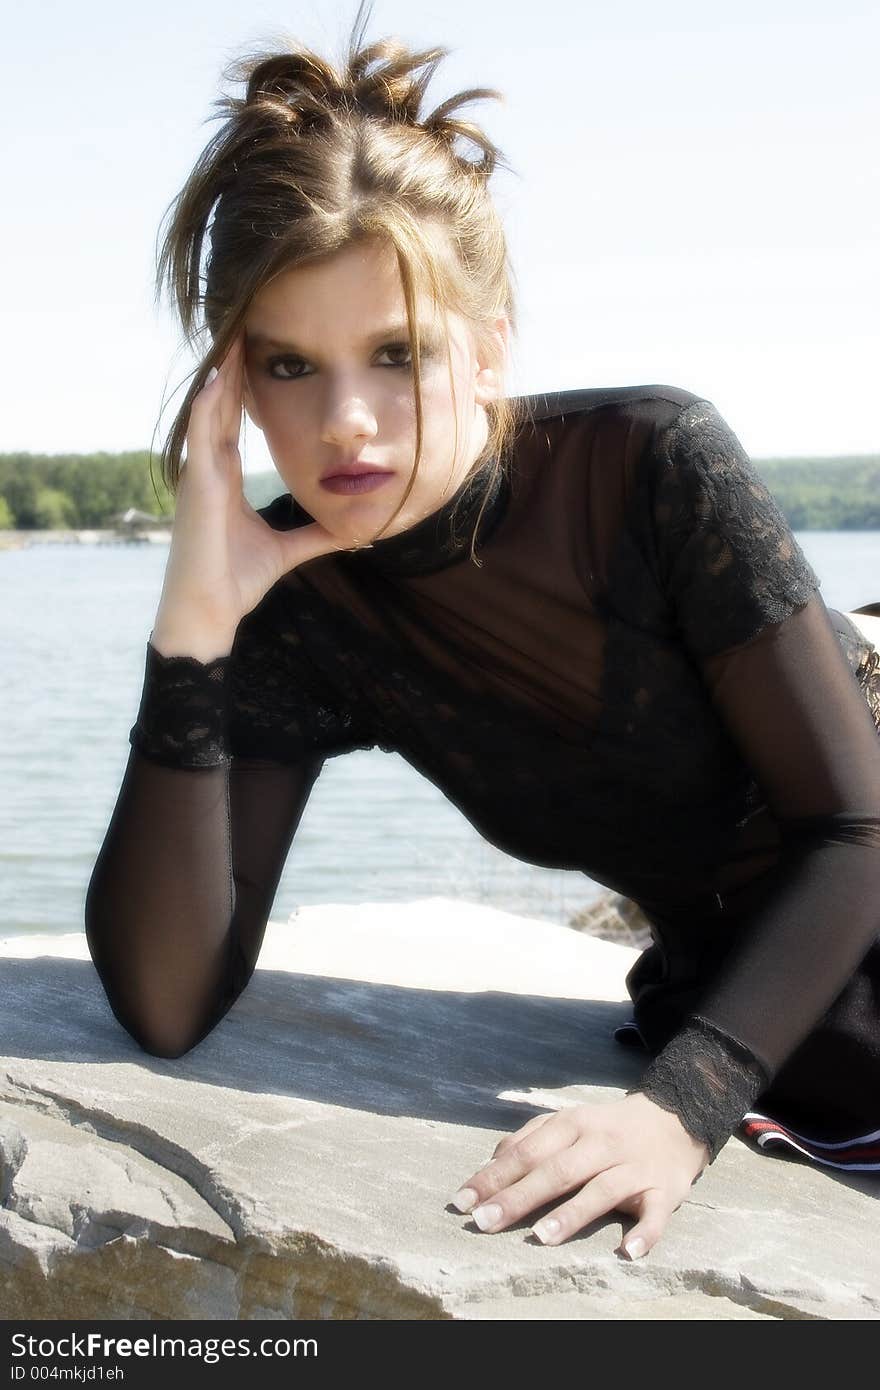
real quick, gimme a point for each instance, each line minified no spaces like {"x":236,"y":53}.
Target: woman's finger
{"x":562,"y":1170}
{"x":556,"y":1134}
{"x":655,"y":1209}
{"x":201,"y":426}
{"x":518,"y":1134}
{"x":230,"y":404}
{"x":221,"y":406}
{"x":602,"y":1194}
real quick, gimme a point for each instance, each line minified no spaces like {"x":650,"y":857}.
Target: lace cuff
{"x":708,"y":1079}
{"x":183,"y":720}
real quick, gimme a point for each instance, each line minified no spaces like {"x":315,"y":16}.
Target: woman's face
{"x":329,"y":381}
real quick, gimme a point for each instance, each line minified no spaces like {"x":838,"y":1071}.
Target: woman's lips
{"x":356,"y":482}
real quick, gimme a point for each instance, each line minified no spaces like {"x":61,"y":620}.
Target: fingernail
{"x":635,"y":1248}
{"x":464,"y":1198}
{"x":546,"y":1229}
{"x":211,"y":375}
{"x":486,"y":1216}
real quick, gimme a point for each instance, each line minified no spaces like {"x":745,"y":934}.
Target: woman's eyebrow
{"x":382,"y":335}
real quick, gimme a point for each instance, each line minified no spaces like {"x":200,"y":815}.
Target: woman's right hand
{"x":224,"y":557}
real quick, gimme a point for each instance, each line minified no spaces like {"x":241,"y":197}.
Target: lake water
{"x":74,"y":626}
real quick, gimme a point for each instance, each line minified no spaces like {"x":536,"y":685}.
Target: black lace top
{"x":639,"y":681}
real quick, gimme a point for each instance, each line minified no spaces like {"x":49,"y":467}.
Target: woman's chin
{"x":363,"y":530}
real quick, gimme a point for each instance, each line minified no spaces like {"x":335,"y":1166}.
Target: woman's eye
{"x":400,"y":347}
{"x":284,"y":362}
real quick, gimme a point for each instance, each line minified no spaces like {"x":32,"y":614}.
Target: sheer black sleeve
{"x":223,"y":757}
{"x":747,"y":605}
{"x":182,"y":887}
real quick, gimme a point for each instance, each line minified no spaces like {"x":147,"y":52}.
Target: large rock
{"x":300,"y":1162}
{"x":614,"y":918}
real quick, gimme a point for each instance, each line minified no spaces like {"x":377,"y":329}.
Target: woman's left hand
{"x":628,"y":1155}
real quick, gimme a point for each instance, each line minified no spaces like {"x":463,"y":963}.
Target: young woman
{"x":581,"y":614}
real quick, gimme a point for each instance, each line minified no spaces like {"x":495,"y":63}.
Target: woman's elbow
{"x":154,"y":1031}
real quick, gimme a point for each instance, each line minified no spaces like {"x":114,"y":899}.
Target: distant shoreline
{"x":161,"y":535}
{"x":22,"y":540}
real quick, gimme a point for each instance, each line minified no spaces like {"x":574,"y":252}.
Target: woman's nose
{"x":347,"y":417}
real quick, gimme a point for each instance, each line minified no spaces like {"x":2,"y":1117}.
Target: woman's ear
{"x":492,"y":358}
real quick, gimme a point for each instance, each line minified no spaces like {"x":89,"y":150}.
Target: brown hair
{"x":313,"y":158}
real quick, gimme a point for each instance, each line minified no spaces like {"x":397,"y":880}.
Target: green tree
{"x":54,"y":510}
{"x":20,"y":491}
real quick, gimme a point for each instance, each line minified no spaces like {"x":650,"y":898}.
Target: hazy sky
{"x":695,"y":199}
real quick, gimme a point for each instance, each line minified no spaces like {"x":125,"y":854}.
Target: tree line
{"x":88,"y":491}
{"x":74,"y":492}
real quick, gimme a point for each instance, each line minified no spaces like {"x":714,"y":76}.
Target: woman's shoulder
{"x":574,"y":444}
{"x":657,"y":405}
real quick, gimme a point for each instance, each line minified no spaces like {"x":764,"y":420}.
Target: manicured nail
{"x":464,"y":1198}
{"x":487,"y":1216}
{"x":545,"y":1230}
{"x":635,"y":1247}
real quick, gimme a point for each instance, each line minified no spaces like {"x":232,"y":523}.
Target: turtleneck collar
{"x":444,"y":537}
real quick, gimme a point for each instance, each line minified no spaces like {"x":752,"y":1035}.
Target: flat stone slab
{"x":299,"y":1163}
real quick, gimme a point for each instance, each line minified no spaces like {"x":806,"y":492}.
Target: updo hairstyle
{"x":312,"y":158}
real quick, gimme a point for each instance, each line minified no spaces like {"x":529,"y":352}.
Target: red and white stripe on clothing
{"x":861,"y":1153}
